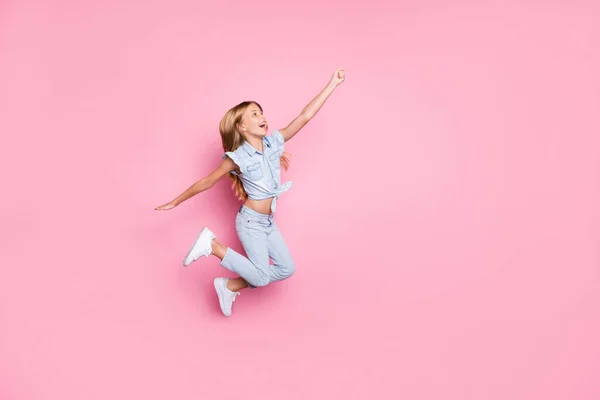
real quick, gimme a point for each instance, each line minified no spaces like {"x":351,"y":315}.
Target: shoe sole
{"x":185,"y":263}
{"x":216,"y":283}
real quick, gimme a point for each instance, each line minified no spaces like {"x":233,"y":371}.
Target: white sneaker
{"x":202,"y":247}
{"x":226,"y":296}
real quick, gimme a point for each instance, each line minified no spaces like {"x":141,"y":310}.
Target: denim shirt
{"x":261,"y":172}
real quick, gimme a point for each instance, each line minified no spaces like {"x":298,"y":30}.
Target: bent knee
{"x":288,"y":269}
{"x":260,"y":281}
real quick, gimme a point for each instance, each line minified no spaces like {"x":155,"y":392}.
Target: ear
{"x":241,"y":128}
{"x":241,"y":131}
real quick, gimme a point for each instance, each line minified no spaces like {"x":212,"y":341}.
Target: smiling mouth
{"x":263,"y":125}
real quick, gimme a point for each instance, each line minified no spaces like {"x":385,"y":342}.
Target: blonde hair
{"x":232,"y":139}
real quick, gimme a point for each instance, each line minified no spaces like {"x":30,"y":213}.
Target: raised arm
{"x":226,"y":166}
{"x":313,"y":107}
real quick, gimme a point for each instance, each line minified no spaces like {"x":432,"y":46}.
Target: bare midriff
{"x":261,"y":206}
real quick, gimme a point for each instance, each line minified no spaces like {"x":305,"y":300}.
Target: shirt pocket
{"x":255,"y":171}
{"x":275,"y":160}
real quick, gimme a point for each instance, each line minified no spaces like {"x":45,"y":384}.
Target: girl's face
{"x":254,"y":122}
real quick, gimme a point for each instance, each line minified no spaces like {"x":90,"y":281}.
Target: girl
{"x":253,"y":161}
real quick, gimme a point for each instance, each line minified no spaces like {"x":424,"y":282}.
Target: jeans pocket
{"x":246,"y":222}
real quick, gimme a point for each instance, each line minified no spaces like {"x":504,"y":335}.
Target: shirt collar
{"x":251,"y":150}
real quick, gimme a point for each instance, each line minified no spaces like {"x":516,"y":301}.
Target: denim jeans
{"x":261,"y":240}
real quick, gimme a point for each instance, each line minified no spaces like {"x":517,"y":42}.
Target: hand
{"x":164,"y":207}
{"x":338,"y":77}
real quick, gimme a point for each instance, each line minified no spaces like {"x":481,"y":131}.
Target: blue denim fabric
{"x":261,"y":240}
{"x":261,"y":172}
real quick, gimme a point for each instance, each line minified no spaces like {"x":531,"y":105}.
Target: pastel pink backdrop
{"x":444,"y":216}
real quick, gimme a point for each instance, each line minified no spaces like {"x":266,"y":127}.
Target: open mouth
{"x":263,"y":125}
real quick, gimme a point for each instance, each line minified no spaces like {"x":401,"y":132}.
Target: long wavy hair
{"x":232,"y":139}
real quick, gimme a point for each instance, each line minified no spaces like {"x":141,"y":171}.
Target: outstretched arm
{"x":313,"y":107}
{"x":226,"y":166}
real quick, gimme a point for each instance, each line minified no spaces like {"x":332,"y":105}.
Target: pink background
{"x":444,"y":217}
